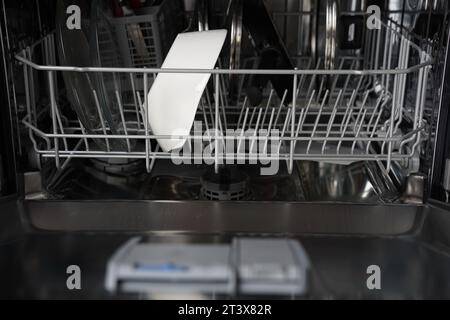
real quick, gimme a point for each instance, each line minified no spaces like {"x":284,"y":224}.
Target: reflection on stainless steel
{"x":193,"y":186}
{"x":102,"y":180}
{"x":331,"y":33}
{"x":358,"y":182}
{"x":199,"y":217}
{"x":202,"y":13}
{"x":235,"y":11}
{"x":410,"y":243}
{"x":446,"y":180}
{"x":407,"y":10}
{"x":353,"y":5}
{"x":306,"y":39}
{"x":415,"y":189}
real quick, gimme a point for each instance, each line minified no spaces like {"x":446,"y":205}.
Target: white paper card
{"x":174,"y":98}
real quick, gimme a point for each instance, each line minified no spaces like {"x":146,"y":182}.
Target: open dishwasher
{"x":322,"y":121}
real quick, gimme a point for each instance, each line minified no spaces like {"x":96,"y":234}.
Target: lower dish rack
{"x":370,"y":108}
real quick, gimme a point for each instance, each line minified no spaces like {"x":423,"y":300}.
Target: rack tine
{"x":242,"y":112}
{"x":294,"y":109}
{"x":251,"y":118}
{"x":313,"y":79}
{"x":375,"y":127}
{"x":358,"y":131}
{"x":301,"y":120}
{"x":363,"y":105}
{"x":221,"y":128}
{"x":321,"y":87}
{"x":142,"y":110}
{"x":83,"y":131}
{"x":283,"y":132}
{"x":389,"y":62}
{"x":306,"y":112}
{"x":256,"y":130}
{"x":208,"y":100}
{"x":336,"y":77}
{"x":31,"y":90}
{"x":344,"y":130}
{"x":267,"y":107}
{"x":122,"y":117}
{"x":372,"y":117}
{"x":137,"y":108}
{"x":217,"y":123}
{"x":68,"y":159}
{"x":223,"y":100}
{"x":102,"y":121}
{"x":243,"y":130}
{"x":280,"y":108}
{"x":384,"y":64}
{"x":347,"y":110}
{"x":205,"y":118}
{"x":331,"y":121}
{"x":152,"y":163}
{"x":272,"y":115}
{"x":61,"y":127}
{"x":347,"y":80}
{"x":391,"y":135}
{"x":54,"y":120}
{"x":146,"y":124}
{"x":317,"y":120}
{"x":303,"y":79}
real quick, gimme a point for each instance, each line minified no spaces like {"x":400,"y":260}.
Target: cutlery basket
{"x":144,"y":39}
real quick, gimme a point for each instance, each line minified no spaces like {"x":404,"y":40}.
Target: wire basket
{"x":370,"y":108}
{"x":146,"y":38}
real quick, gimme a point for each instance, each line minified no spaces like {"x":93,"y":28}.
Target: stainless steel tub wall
{"x":223,"y":217}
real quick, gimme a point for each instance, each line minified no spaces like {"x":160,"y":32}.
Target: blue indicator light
{"x":164,"y":267}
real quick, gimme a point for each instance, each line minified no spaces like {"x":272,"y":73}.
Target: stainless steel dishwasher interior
{"x":355,"y":111}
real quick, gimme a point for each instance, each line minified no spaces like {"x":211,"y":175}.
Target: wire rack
{"x":370,"y":108}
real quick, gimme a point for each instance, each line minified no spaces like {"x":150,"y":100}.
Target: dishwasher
{"x":322,"y":126}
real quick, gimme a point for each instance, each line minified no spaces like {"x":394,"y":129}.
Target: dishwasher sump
{"x":88,"y":180}
{"x":361,"y":182}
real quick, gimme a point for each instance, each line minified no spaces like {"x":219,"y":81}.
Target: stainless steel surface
{"x":410,"y":244}
{"x":415,"y":189}
{"x":407,"y":12}
{"x":235,"y":11}
{"x":282,"y":218}
{"x":306,"y":42}
{"x":32,"y":182}
{"x":359,"y":182}
{"x":331,"y":36}
{"x":446,"y":180}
